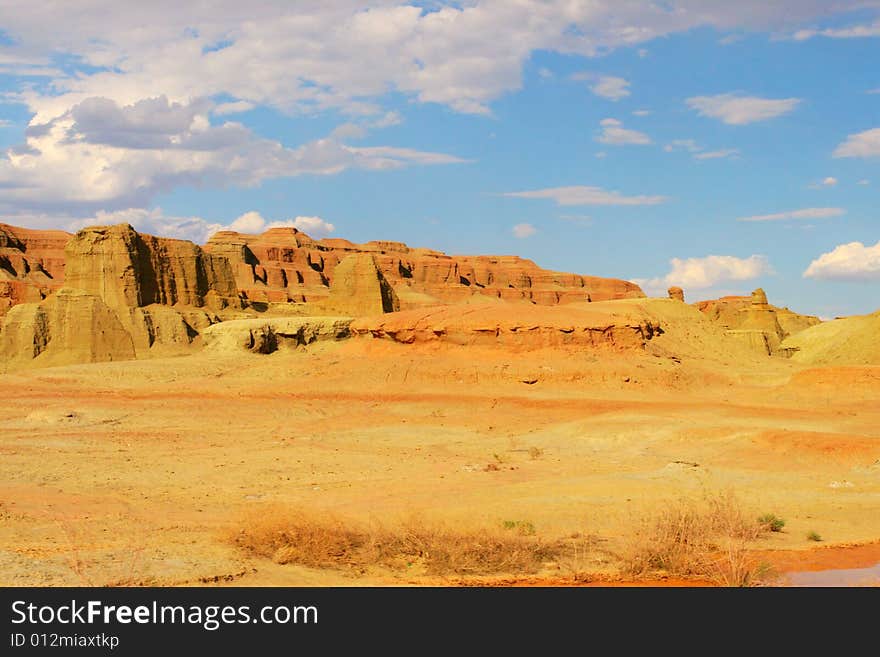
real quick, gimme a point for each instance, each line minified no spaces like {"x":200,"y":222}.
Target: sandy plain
{"x":137,"y":472}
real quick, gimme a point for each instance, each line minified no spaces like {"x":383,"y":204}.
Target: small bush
{"x":771,"y":522}
{"x":814,"y":536}
{"x":321,"y":542}
{"x":522,"y":527}
{"x":707,"y":539}
{"x":535,"y":452}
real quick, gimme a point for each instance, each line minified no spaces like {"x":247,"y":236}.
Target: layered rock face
{"x":675,"y":293}
{"x":265,"y":336}
{"x":754,"y":321}
{"x":360,"y":289}
{"x":514,"y":327}
{"x":284,"y":264}
{"x":127,"y":269}
{"x":124,"y":295}
{"x":31,"y":264}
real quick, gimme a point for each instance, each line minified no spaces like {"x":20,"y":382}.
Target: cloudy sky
{"x":714,"y":145}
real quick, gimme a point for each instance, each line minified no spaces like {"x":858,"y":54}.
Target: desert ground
{"x":143,"y":472}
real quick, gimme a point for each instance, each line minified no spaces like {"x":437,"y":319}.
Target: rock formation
{"x":755,"y":322}
{"x":360,"y":289}
{"x":515,"y":327}
{"x":130,"y":270}
{"x":124,"y":295}
{"x":676,"y":293}
{"x":31,"y":264}
{"x":284,"y":264}
{"x":264,"y":336}
{"x":71,"y":326}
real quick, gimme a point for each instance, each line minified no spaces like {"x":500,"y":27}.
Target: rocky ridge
{"x":284,"y":264}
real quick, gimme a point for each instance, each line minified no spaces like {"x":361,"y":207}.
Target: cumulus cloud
{"x":734,"y":109}
{"x":611,"y":88}
{"x":706,"y":272}
{"x":862,"y":144}
{"x":584,"y":195}
{"x":522,"y":231}
{"x":340,"y":54}
{"x":197,"y":229}
{"x":304,"y":58}
{"x":847,"y":262}
{"x":806,"y":213}
{"x":235,"y":107}
{"x":106,"y":156}
{"x":615,"y":134}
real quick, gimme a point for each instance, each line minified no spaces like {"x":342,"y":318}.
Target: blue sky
{"x":716,"y":147}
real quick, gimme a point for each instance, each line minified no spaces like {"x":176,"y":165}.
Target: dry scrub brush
{"x":707,"y":539}
{"x":414,"y":545}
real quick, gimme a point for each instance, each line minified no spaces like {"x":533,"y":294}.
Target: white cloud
{"x":642,"y":52}
{"x":583,"y":195}
{"x":807,"y":213}
{"x":852,"y":32}
{"x":862,"y":144}
{"x":642,"y":112}
{"x":610,"y":87}
{"x":697,"y":151}
{"x":5,"y":123}
{"x":349,"y":131}
{"x":308,"y":58}
{"x":196,"y":229}
{"x":314,"y":226}
{"x":249,"y":222}
{"x":864,"y":182}
{"x":719,"y":154}
{"x":734,"y":109}
{"x":390,"y":157}
{"x":615,"y":134}
{"x":522,"y":231}
{"x":688,"y":145}
{"x":601,"y":155}
{"x":825,"y":183}
{"x":702,"y":273}
{"x":106,"y":156}
{"x":236,"y":107}
{"x":341,"y":54}
{"x":545,"y":73}
{"x":387,"y":120}
{"x":847,"y":262}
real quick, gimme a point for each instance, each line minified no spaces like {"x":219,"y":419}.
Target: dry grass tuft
{"x":708,"y":539}
{"x":433,"y":548}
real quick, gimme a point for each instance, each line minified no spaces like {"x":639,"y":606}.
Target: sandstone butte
{"x":114,"y":295}
{"x":110,"y":293}
{"x":753,"y":320}
{"x":284,"y":264}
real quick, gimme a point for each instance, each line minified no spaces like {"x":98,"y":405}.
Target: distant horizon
{"x":714,"y":147}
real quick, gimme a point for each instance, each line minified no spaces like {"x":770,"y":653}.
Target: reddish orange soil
{"x":136,"y":472}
